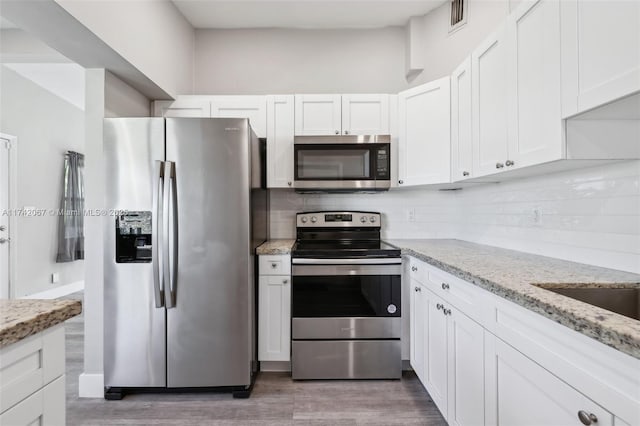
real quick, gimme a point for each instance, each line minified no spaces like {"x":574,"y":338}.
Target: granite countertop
{"x":516,"y":276}
{"x":20,"y":318}
{"x":276,"y":247}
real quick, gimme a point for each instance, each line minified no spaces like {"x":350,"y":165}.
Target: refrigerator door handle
{"x":170,"y":236}
{"x":156,"y":220}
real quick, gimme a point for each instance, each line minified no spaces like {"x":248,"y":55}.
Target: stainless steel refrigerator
{"x":187,"y":205}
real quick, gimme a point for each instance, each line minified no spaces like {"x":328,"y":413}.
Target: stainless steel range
{"x":345,"y":298}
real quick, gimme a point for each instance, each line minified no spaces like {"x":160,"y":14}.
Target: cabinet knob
{"x":274,"y":265}
{"x":413,"y":268}
{"x":465,"y":173}
{"x":417,"y":289}
{"x":3,"y":228}
{"x":587,"y":418}
{"x":289,"y":183}
{"x":509,"y":163}
{"x":285,"y":281}
{"x":400,"y":182}
{"x":346,"y":132}
{"x":337,"y":132}
{"x":439,"y":306}
{"x":4,"y":240}
{"x":446,"y":311}
{"x":499,"y":165}
{"x":445,"y":286}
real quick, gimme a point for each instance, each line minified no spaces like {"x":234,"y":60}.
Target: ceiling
{"x":302,"y":14}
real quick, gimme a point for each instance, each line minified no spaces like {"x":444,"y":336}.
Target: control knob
{"x":372,"y":219}
{"x":304,"y":219}
{"x":314,"y":219}
{"x":363,"y":219}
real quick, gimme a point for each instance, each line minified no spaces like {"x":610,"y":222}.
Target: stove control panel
{"x":332,"y":219}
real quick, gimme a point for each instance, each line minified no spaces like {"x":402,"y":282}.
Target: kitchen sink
{"x":623,"y":301}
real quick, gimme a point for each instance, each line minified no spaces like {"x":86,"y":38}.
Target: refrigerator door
{"x":208,"y":328}
{"x":134,"y":312}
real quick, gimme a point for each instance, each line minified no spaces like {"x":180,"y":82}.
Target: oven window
{"x":333,"y":164}
{"x":346,"y":296}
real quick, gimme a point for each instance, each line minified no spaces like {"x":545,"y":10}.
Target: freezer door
{"x":134,"y":317}
{"x":208,"y":328}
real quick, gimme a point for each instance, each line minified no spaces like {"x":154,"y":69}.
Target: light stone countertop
{"x":276,"y":247}
{"x":20,"y":318}
{"x":512,"y":274}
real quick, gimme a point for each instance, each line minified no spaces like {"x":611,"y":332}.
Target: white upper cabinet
{"x":366,"y":114}
{"x":601,"y":52}
{"x":318,"y":115}
{"x":461,"y":124}
{"x":534,"y":85}
{"x":424,"y":147}
{"x":489,"y":104}
{"x":280,"y":129}
{"x":361,"y":114}
{"x":252,"y":107}
{"x":197,"y":106}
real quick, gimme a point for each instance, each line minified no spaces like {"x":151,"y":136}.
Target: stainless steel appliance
{"x":345,"y":298}
{"x":179,"y":290}
{"x":342,"y":163}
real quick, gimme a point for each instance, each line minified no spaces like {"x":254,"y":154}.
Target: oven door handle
{"x":345,"y":270}
{"x":372,"y":261}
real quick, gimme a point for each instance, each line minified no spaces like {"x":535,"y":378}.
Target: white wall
{"x":589,"y":215}
{"x":152,"y":35}
{"x":46,"y":126}
{"x":20,"y":46}
{"x":266,"y":61}
{"x":444,"y":51}
{"x":122,"y":100}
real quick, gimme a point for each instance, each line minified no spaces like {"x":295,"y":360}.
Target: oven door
{"x":346,"y":301}
{"x":342,"y":166}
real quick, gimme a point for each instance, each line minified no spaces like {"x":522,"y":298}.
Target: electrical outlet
{"x":55,"y":277}
{"x":537,"y":216}
{"x":411,"y":215}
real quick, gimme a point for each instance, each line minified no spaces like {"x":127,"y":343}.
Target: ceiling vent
{"x":458,"y":14}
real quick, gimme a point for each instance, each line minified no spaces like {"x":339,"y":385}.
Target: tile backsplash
{"x":587,"y":215}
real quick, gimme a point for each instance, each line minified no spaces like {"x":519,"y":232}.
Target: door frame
{"x":13,"y":197}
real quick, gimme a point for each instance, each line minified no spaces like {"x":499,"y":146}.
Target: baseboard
{"x":275,"y":366}
{"x":57,"y":292}
{"x":91,"y":385}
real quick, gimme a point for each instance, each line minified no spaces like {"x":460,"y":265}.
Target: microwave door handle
{"x":156,"y":221}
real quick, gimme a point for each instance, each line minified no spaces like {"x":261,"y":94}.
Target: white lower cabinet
{"x":487,"y":361}
{"x":447,"y":355}
{"x":274,"y":308}
{"x":32,"y":381}
{"x":520,"y":393}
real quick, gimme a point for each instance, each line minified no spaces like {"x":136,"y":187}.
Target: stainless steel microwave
{"x":342,"y":163}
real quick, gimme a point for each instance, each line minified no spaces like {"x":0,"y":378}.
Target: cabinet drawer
{"x":275,"y":264}
{"x":418,"y":270}
{"x":464,"y":296}
{"x":44,"y":407}
{"x":28,"y":365}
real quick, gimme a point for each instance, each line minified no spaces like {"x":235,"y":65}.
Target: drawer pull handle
{"x":417,"y":289}
{"x":446,"y":311}
{"x":445,"y":286}
{"x":274,"y":265}
{"x":285,"y":281}
{"x":439,"y":306}
{"x":587,"y":418}
{"x":414,"y":269}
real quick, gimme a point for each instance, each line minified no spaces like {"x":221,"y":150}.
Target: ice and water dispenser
{"x":133,"y":237}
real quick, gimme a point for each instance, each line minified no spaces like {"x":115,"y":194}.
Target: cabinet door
{"x":436,"y":358}
{"x":465,"y":339}
{"x":417,"y":329}
{"x":318,"y":115}
{"x":489,"y":104}
{"x":535,"y":118}
{"x":252,"y":107}
{"x":189,"y":107}
{"x":461,"y":140}
{"x":274,"y":318}
{"x":424,"y":133}
{"x":365,"y":114}
{"x":600,"y":52}
{"x":280,"y":125}
{"x":521,"y":392}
